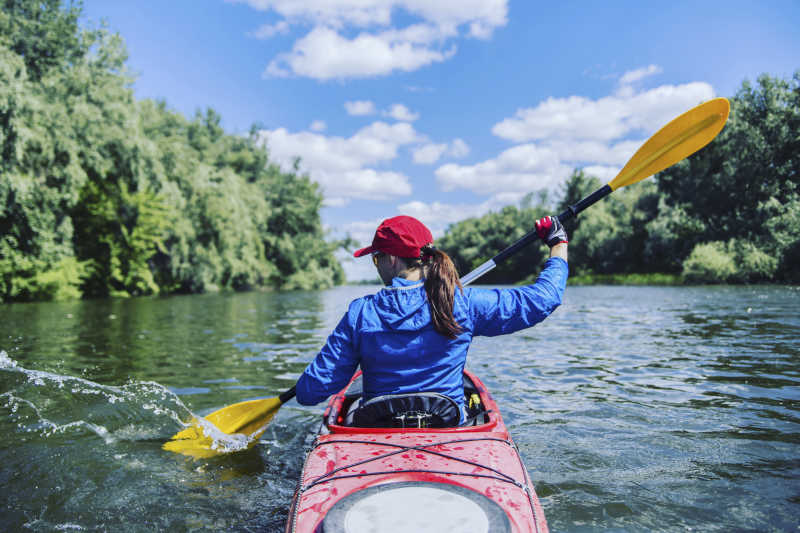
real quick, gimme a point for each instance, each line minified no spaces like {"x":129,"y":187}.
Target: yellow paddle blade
{"x":230,"y":429}
{"x":679,"y":139}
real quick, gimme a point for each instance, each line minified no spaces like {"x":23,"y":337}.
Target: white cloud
{"x":323,"y":54}
{"x":579,"y":152}
{"x":458,"y":148}
{"x":393,"y":135}
{"x":360,"y":107}
{"x":268,"y":31}
{"x":638,"y":74}
{"x":380,"y":46}
{"x":519,"y":169}
{"x":332,"y":12}
{"x":343,"y":166}
{"x":318,"y":125}
{"x":531,"y":167}
{"x":418,"y":89}
{"x":603,"y":173}
{"x":480,"y":30}
{"x":402,"y":113}
{"x":421,"y":34}
{"x":430,"y":153}
{"x":362,"y":231}
{"x":488,"y":14}
{"x":561,"y":134}
{"x":611,"y":117}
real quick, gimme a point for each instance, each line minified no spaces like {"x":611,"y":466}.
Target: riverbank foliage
{"x":102,"y":195}
{"x":728,"y":214}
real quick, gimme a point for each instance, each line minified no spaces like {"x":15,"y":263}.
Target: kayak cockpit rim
{"x":486,"y":420}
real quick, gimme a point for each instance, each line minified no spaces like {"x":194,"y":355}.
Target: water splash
{"x":221,"y":442}
{"x":6,"y":361}
{"x":51,"y":405}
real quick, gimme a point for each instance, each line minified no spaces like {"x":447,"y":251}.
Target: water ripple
{"x":635,"y":408}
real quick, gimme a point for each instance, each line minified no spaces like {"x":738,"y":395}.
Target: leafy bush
{"x":736,"y":261}
{"x":752,"y":263}
{"x":784,"y":229}
{"x":62,"y":282}
{"x":709,"y":262}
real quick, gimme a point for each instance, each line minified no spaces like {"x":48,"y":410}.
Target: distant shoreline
{"x":628,"y":279}
{"x":652,"y":279}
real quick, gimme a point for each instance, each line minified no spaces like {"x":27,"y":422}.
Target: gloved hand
{"x":550,"y":230}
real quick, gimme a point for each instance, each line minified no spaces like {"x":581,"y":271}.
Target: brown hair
{"x":441,"y":280}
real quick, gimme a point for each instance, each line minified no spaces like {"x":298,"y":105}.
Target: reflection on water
{"x":635,"y":408}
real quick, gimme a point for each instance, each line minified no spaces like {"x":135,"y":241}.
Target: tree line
{"x":102,"y":195}
{"x":728,"y":214}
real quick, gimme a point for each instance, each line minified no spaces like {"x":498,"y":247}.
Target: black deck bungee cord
{"x":329,"y":476}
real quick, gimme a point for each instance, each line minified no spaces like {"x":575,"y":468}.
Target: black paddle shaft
{"x":288,"y":395}
{"x":597,"y":195}
{"x":571,"y":211}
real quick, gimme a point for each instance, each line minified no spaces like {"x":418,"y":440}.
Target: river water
{"x":635,"y":408}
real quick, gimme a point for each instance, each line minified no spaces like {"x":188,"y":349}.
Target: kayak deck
{"x":415,"y":479}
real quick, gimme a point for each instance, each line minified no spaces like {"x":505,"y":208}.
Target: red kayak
{"x":392,"y":479}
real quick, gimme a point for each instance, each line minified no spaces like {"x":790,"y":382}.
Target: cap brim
{"x":363,"y":251}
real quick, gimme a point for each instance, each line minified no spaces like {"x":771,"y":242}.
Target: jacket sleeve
{"x":333,"y":366}
{"x":500,"y":311}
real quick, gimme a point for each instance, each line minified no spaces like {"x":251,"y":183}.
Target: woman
{"x":413,"y":335}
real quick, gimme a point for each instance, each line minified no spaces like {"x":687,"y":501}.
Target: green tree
{"x":745,"y":184}
{"x":671,"y":237}
{"x":44,"y":62}
{"x":42,"y":34}
{"x":102,"y":195}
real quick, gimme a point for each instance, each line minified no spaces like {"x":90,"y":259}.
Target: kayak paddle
{"x":679,"y":139}
{"x":232,"y":428}
{"x":237,"y":426}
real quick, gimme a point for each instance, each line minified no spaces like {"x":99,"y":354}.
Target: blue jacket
{"x":391,"y":336}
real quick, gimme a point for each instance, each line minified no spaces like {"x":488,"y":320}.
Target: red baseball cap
{"x":401,"y":236}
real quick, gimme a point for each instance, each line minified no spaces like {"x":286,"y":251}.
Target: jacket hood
{"x":403,"y":305}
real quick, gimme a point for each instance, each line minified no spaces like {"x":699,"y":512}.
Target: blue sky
{"x":446,"y":109}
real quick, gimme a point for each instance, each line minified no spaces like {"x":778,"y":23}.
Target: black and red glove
{"x":550,"y":230}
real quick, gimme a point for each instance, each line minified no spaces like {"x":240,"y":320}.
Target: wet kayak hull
{"x":393,"y":479}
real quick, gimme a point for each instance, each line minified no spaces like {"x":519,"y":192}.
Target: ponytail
{"x":441,"y":280}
